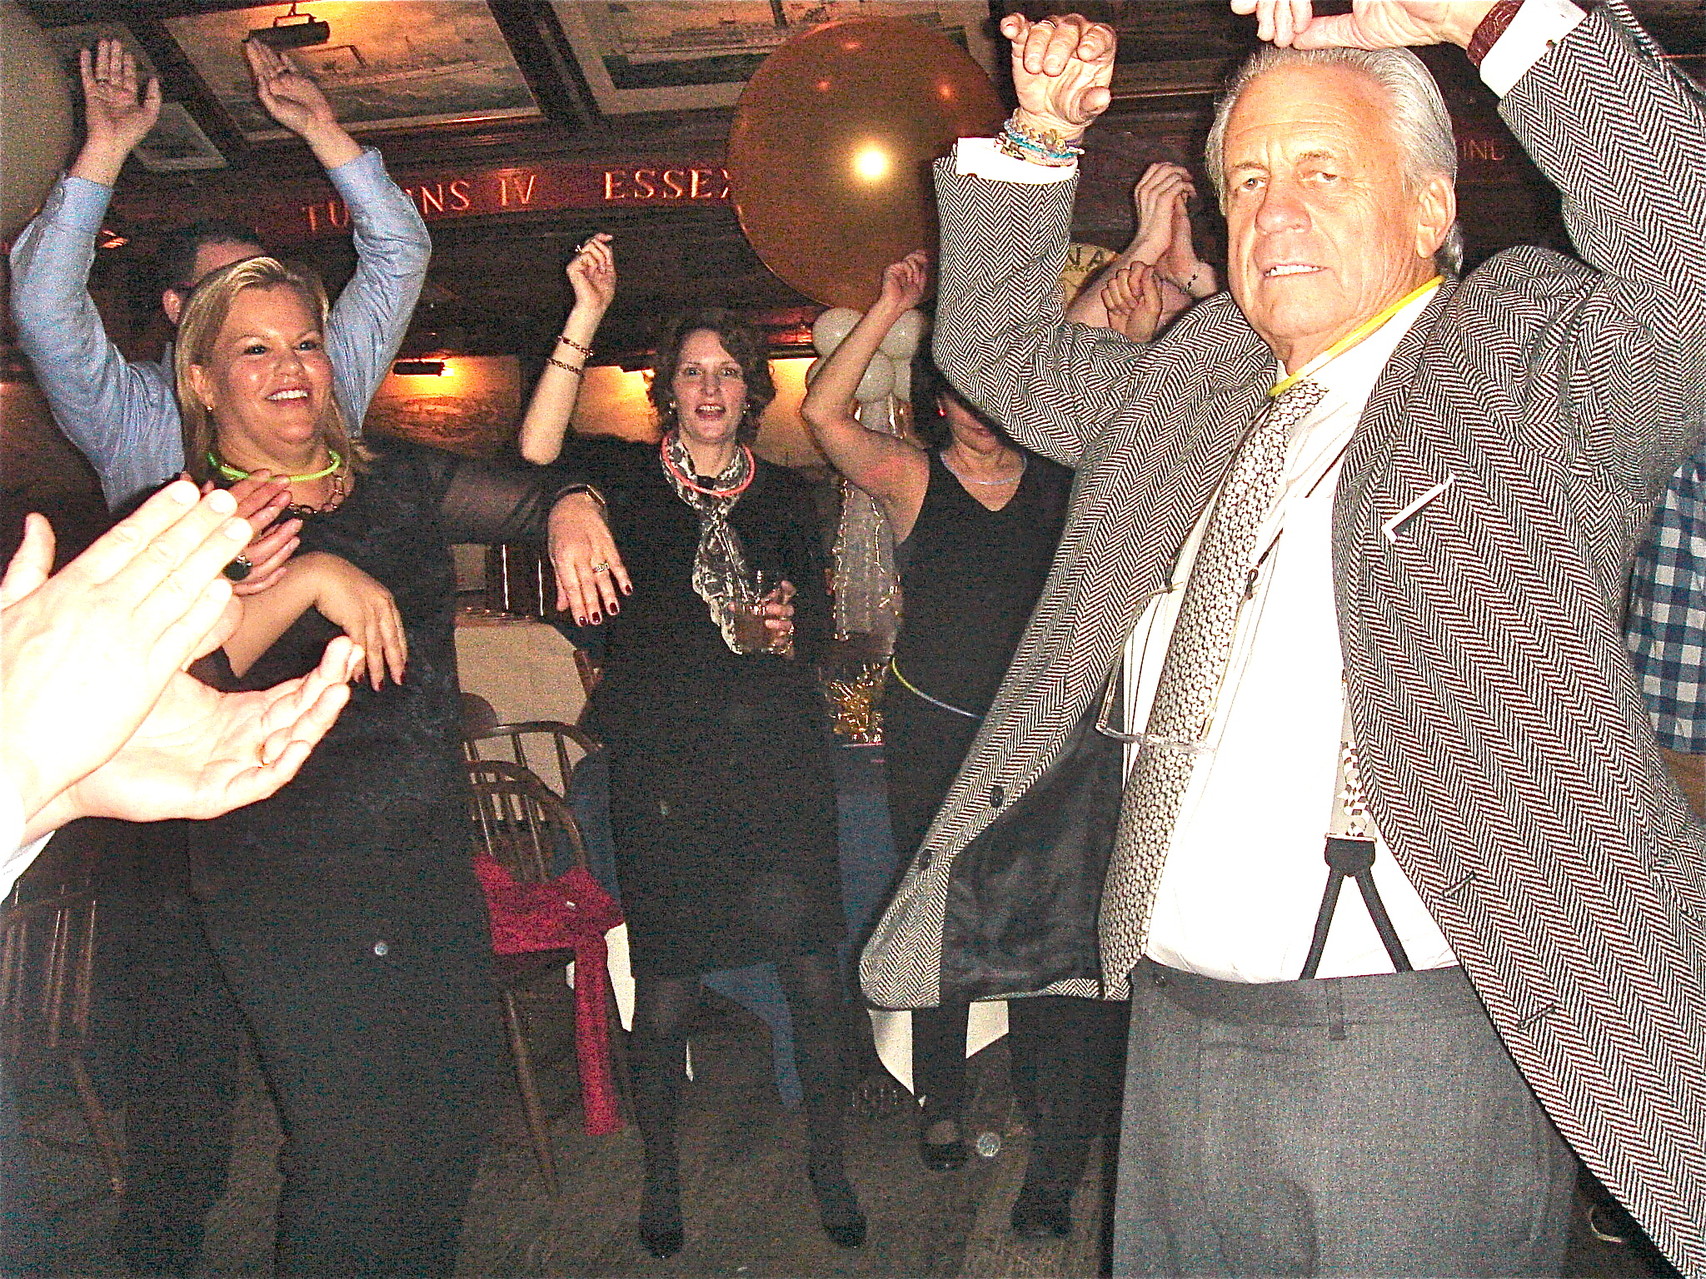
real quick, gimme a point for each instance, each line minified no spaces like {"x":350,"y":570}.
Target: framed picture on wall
{"x":679,"y":55}
{"x":467,"y":404}
{"x":401,"y":63}
{"x":177,"y":143}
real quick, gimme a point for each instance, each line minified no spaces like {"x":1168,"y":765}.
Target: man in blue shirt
{"x":1666,"y":628}
{"x":122,"y":414}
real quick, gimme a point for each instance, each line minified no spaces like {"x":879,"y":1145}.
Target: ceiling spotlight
{"x":293,"y":30}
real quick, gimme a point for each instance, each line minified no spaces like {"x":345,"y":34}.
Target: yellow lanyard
{"x":1350,"y":339}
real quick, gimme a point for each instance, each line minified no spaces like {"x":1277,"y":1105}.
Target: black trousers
{"x":1068,"y":1066}
{"x":380,"y":1039}
{"x":167,"y":1038}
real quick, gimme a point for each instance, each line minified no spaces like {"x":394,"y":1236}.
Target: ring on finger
{"x":603,"y":566}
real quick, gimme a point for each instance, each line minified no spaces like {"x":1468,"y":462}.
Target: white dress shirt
{"x":1245,"y":870}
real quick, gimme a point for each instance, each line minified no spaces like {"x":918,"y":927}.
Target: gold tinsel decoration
{"x":856,"y":704}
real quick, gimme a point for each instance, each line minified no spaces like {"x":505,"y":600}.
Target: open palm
{"x":200,"y":752}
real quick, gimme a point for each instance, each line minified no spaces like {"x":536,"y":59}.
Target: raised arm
{"x":891,"y":471}
{"x":121,"y":415}
{"x":392,"y":247}
{"x":592,"y":275}
{"x":1000,"y":334}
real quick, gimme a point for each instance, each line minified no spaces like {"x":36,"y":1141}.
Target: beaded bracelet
{"x":575,"y":346}
{"x":565,"y":365}
{"x":1047,"y":147}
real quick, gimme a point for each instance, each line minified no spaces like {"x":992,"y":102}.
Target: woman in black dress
{"x":722,"y":793}
{"x":975,"y":521}
{"x":344,"y":910}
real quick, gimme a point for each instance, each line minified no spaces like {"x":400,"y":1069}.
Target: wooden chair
{"x":591,"y":672}
{"x":47,"y":965}
{"x":522,"y":825}
{"x":553,"y":744}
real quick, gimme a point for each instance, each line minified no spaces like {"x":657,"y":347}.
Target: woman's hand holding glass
{"x":764,"y":619}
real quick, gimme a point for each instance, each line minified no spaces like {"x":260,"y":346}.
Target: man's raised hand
{"x":1371,"y":24}
{"x":293,"y":99}
{"x":116,"y":113}
{"x":1061,"y":71}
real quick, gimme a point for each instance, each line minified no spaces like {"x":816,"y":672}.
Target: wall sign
{"x":544,"y":187}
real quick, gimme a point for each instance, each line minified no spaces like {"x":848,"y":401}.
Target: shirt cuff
{"x":1537,"y":27}
{"x":79,"y":203}
{"x":981,"y":158}
{"x":15,"y":858}
{"x":362,"y":173}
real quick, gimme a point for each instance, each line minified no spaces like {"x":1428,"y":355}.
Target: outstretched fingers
{"x":32,"y":562}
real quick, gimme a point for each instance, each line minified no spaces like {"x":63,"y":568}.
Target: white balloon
{"x":902,"y":340}
{"x":813,"y":369}
{"x":878,"y":382}
{"x":903,"y":379}
{"x":832,"y":326}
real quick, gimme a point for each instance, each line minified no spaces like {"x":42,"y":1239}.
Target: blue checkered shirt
{"x":1666,"y":628}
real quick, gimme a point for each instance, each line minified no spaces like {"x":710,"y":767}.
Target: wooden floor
{"x":748,"y":1209}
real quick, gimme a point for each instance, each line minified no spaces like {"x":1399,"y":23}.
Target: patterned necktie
{"x":1190,"y":680}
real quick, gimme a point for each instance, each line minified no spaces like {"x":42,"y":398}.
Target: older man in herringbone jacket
{"x":1344,"y":570}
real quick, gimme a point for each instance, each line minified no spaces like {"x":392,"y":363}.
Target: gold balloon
{"x":35,"y":116}
{"x":829,"y":156}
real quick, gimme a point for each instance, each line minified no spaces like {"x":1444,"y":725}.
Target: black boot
{"x":660,"y":1211}
{"x":838,"y":1208}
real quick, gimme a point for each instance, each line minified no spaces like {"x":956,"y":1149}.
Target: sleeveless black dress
{"x":970,"y":577}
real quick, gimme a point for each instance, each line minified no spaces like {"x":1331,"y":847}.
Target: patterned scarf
{"x":720,"y":574}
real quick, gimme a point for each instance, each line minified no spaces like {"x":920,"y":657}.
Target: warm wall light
{"x":871,"y":163}
{"x":418,"y":368}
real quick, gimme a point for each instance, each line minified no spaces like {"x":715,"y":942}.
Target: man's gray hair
{"x":1420,"y":122}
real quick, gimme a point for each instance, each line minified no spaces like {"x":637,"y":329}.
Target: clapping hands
{"x":99,"y":716}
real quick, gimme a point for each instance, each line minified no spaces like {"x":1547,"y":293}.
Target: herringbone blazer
{"x":1511,"y":765}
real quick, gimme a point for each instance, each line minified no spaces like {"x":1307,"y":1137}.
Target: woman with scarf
{"x":722,"y":795}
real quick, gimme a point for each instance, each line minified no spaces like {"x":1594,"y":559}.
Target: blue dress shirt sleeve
{"x":371,"y":315}
{"x":123,"y":414}
{"x":120,"y":413}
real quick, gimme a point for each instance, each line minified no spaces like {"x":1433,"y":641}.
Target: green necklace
{"x":233,"y":474}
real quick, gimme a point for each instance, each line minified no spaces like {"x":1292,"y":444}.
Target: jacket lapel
{"x":1384,"y":418}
